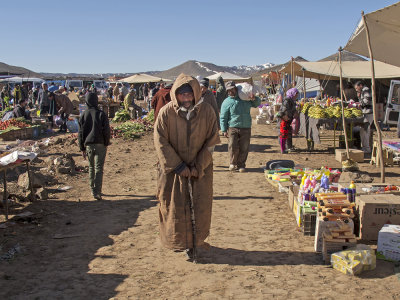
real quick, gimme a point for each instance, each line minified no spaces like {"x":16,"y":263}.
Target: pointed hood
{"x":185,"y":79}
{"x":92,"y":101}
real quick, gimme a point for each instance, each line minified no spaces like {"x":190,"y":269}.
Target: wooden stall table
{"x":4,"y":169}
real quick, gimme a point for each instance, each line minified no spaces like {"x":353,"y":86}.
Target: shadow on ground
{"x":236,"y":257}
{"x":63,"y":237}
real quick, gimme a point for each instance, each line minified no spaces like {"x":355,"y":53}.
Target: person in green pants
{"x":94,"y":137}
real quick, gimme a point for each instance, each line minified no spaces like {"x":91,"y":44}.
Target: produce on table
{"x":150,"y":116}
{"x":13,"y":124}
{"x":331,"y":112}
{"x":121,"y":116}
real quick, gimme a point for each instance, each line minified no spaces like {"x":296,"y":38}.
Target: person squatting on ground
{"x":288,"y":109}
{"x":365,"y":99}
{"x":185,"y":134}
{"x":129,"y":100}
{"x":235,"y":121}
{"x":93,"y":138}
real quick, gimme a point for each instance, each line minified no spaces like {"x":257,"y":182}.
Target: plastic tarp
{"x":325,"y":70}
{"x":16,"y":156}
{"x":142,"y":78}
{"x":384,"y":30}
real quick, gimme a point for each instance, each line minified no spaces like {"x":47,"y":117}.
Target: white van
{"x":76,"y":84}
{"x":393,"y":103}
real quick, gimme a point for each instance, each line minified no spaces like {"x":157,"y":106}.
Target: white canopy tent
{"x":18,"y":79}
{"x":142,"y":78}
{"x":226,"y":76}
{"x":384,"y":29}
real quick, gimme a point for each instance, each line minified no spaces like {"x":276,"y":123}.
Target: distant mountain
{"x":346,"y":56}
{"x":6,"y":69}
{"x":257,"y":75}
{"x":203,"y":69}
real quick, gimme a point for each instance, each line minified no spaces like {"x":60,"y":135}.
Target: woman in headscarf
{"x":288,"y":109}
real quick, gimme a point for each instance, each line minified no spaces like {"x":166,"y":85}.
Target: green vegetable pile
{"x":133,"y":129}
{"x":121,"y":116}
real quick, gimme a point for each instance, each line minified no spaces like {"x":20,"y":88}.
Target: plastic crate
{"x":309,"y":222}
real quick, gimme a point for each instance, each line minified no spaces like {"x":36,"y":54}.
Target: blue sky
{"x":133,"y":36}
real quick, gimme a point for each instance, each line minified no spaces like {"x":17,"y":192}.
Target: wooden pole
{"x":378,"y":129}
{"x":341,"y":100}
{"x":33,"y":197}
{"x":304,"y":83}
{"x":292,"y":70}
{"x":5,"y":198}
{"x":320,"y":88}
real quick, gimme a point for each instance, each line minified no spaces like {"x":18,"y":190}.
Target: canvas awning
{"x":142,"y":78}
{"x":329,"y":70}
{"x":384,"y":30}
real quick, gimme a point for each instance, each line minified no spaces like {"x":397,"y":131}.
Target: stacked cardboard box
{"x":374,"y":212}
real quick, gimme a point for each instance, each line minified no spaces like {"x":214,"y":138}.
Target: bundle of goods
{"x":389,"y":243}
{"x":334,"y":229}
{"x":354,"y":261}
{"x":335,"y":206}
{"x":266,"y":114}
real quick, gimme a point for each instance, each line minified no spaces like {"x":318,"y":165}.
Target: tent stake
{"x":378,"y":129}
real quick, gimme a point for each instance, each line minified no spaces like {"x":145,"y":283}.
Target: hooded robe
{"x":183,"y":137}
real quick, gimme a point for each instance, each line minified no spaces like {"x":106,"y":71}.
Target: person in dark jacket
{"x":221,"y":93}
{"x":43,"y":100}
{"x":365,"y":98}
{"x":94,"y":137}
{"x":20,"y":110}
{"x":288,"y":108}
{"x":208,"y":96}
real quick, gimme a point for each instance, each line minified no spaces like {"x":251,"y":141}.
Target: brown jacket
{"x":185,"y":137}
{"x":161,"y":98}
{"x":64,"y":105}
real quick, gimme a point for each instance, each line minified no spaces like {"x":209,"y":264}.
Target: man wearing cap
{"x":220,"y":94}
{"x":235,"y":121}
{"x":365,"y":99}
{"x":185,"y":133}
{"x":208,"y":96}
{"x":161,"y":98}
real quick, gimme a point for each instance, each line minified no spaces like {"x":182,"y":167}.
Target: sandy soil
{"x":111,"y":249}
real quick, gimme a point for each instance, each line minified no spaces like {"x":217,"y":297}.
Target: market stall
{"x":10,"y":161}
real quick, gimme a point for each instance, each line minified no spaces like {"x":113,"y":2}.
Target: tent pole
{"x":292,"y":70}
{"x":320,"y":88}
{"x":342,"y":102}
{"x":304,"y":83}
{"x":378,"y":129}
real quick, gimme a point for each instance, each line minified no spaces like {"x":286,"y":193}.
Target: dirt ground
{"x":85,"y":249}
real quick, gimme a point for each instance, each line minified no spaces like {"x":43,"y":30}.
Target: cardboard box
{"x":375,"y":211}
{"x":293,"y":192}
{"x":356,"y":155}
{"x":321,"y":228}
